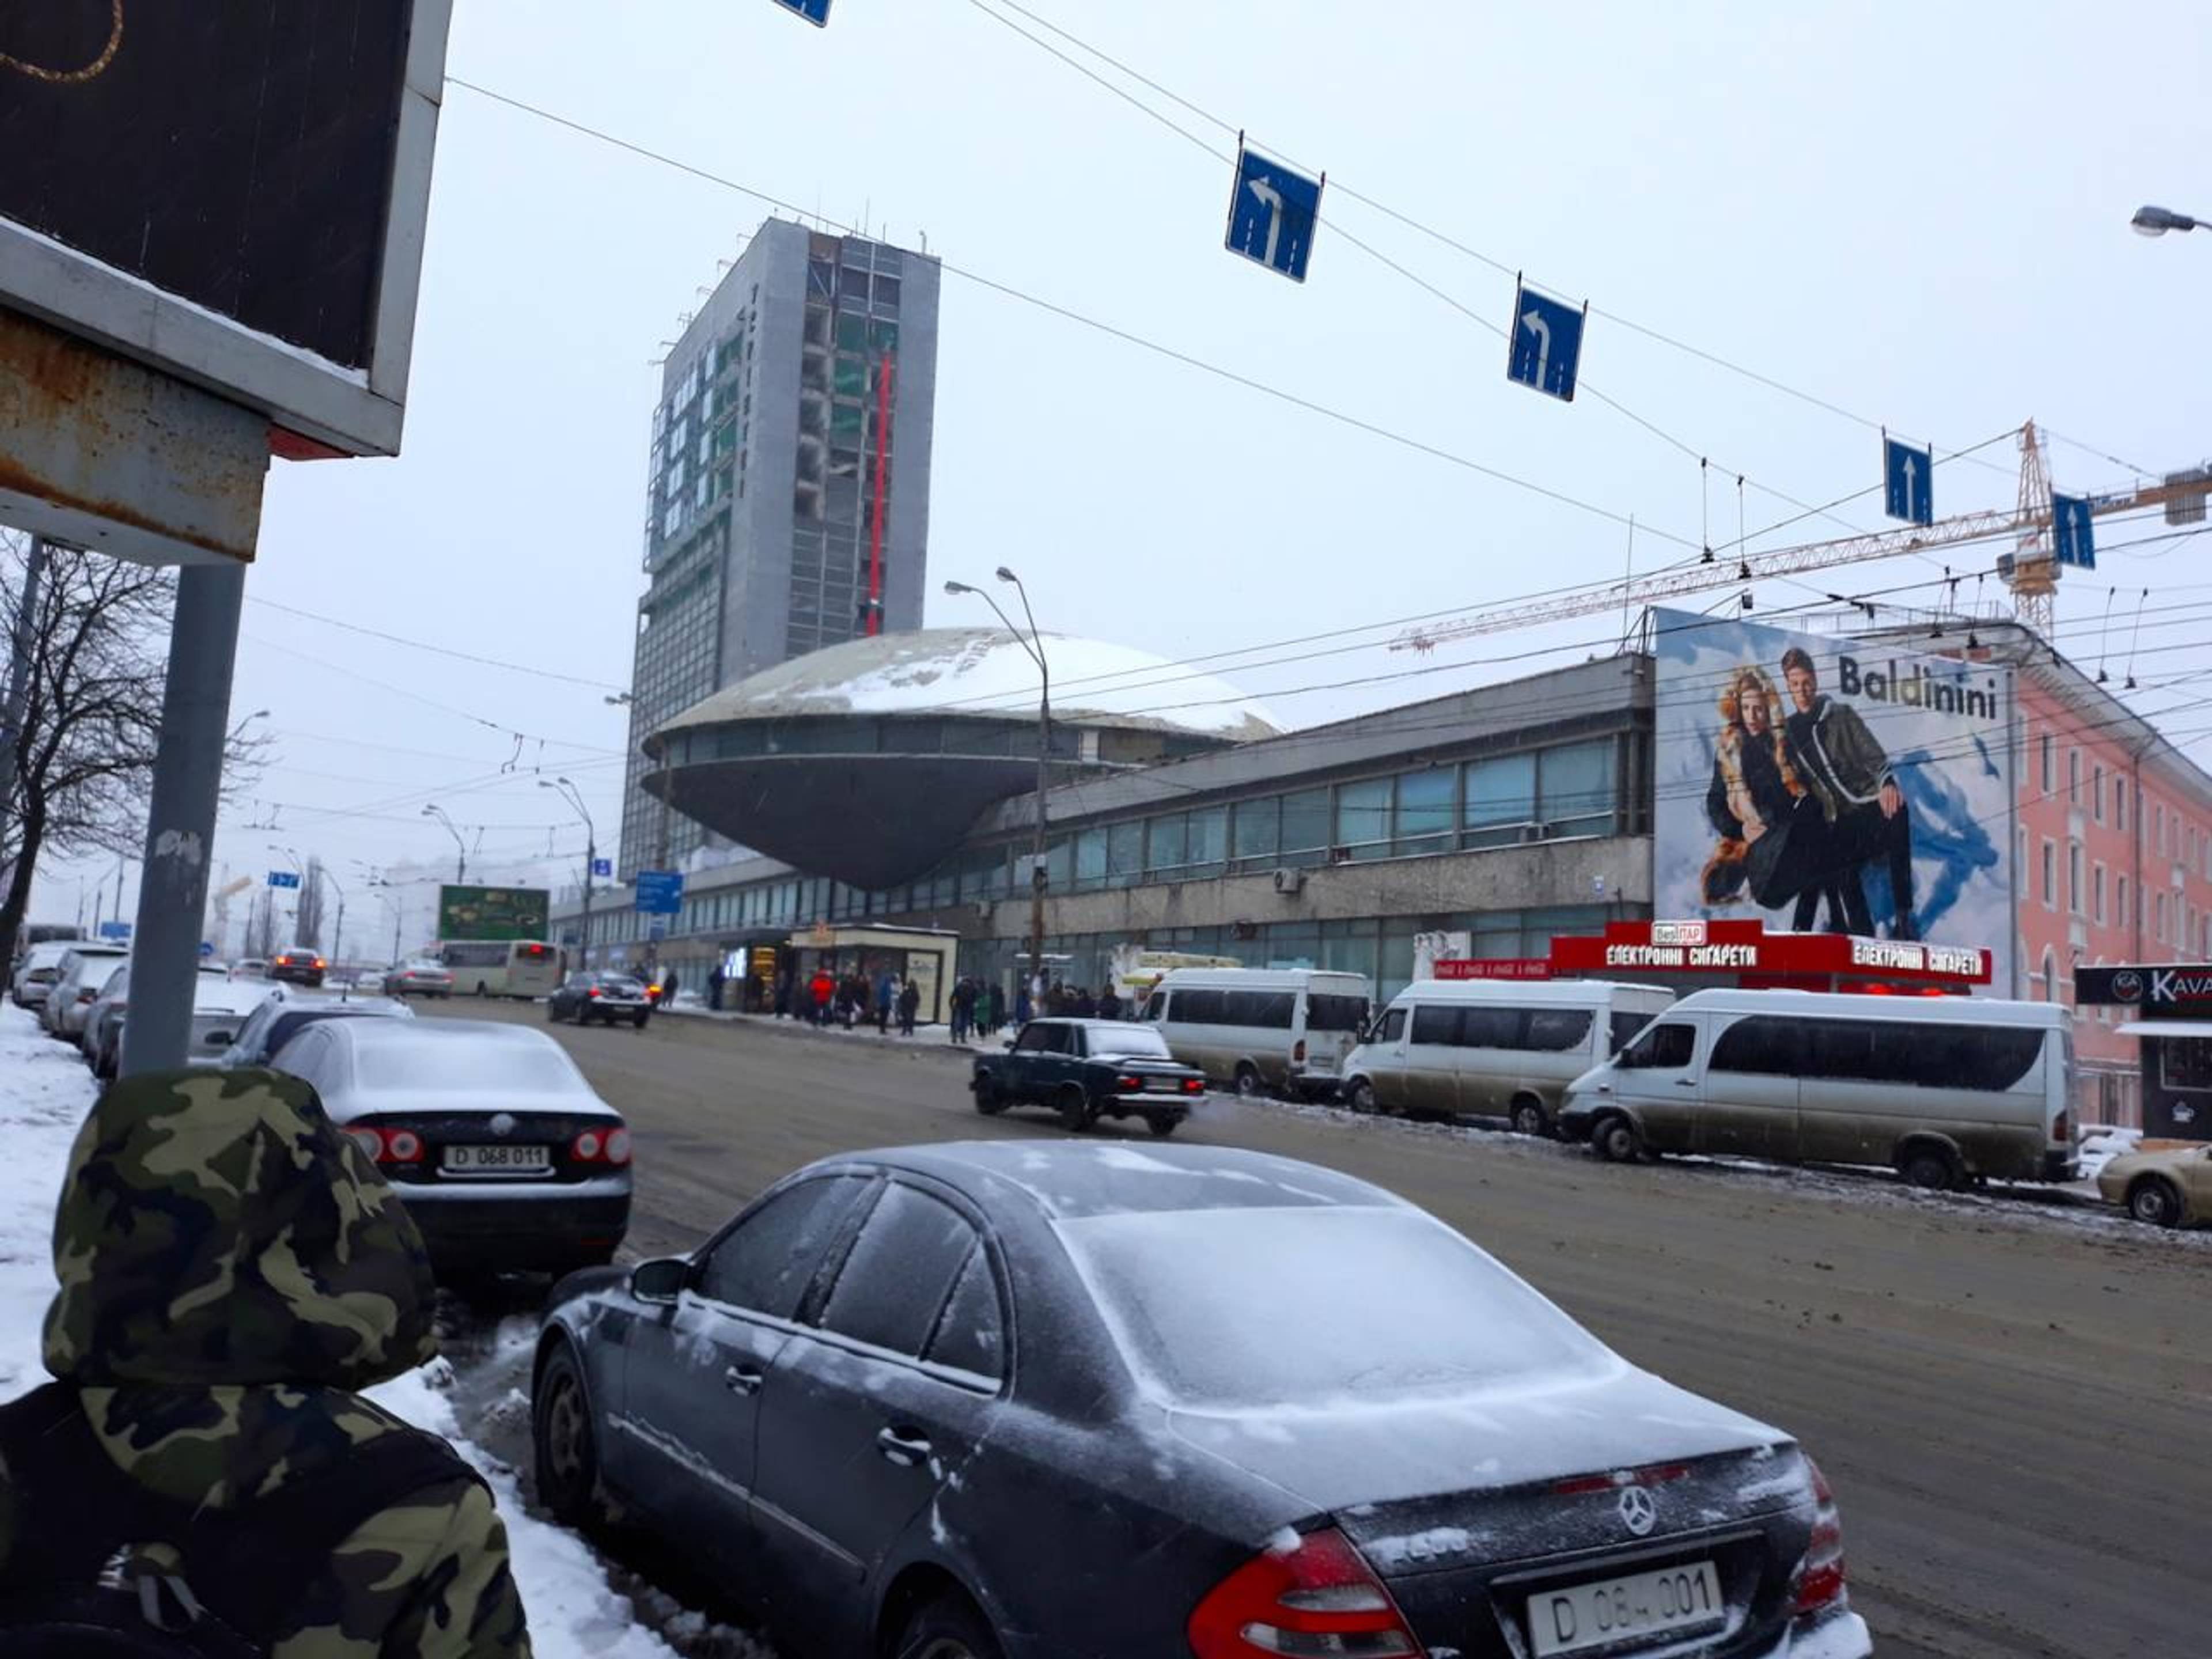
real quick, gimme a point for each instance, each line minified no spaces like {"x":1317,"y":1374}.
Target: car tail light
{"x":1194,"y":1086}
{"x":1315,"y":1595}
{"x":2062,"y":1126}
{"x":609,"y":1147}
{"x":593,"y":992}
{"x":1299,"y":1052}
{"x":1817,"y":1586}
{"x":320,"y":964}
{"x":395,"y":1144}
{"x":1129,"y":1085}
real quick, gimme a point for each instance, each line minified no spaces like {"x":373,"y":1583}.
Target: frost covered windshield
{"x":1137,"y":1043}
{"x":1240,"y":1308}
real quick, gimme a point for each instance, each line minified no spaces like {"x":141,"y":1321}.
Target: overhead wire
{"x":436,"y":650}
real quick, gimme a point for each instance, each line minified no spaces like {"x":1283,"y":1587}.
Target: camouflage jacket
{"x":232,"y":1268}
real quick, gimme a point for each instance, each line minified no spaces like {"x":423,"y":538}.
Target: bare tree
{"x":95,"y":638}
{"x":308,"y":921}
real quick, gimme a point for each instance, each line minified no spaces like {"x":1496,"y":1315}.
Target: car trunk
{"x":468,"y":1148}
{"x":1477,"y":1510}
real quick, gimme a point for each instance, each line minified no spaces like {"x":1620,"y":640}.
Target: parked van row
{"x":1259,"y":1030}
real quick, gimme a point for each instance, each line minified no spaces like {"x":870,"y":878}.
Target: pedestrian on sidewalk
{"x":714,"y":984}
{"x":203,"y":1455}
{"x":1084,"y":1005}
{"x":1023,"y":1009}
{"x":1109,"y":1006}
{"x":987,"y":1009}
{"x":782,"y":993}
{"x":668,"y":982}
{"x":909,"y":1003}
{"x":820,"y":989}
{"x":886,"y":994}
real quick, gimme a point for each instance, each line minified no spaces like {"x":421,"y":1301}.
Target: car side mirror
{"x":660,"y":1280}
{"x":220,"y":1039}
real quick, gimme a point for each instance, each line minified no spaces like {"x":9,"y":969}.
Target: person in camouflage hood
{"x":232,"y":1268}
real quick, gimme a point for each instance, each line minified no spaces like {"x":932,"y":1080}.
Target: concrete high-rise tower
{"x":788,"y":491}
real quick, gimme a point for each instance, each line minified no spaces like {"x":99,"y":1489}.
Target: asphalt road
{"x":2013,"y":1402}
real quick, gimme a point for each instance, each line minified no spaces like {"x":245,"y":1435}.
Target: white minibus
{"x":1943,"y":1090}
{"x":1492,"y":1048}
{"x":1257,"y":1029}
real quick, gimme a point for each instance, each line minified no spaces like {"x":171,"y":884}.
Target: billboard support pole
{"x":180,"y":821}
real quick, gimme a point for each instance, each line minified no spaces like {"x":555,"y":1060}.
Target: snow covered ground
{"x":575,"y":1613}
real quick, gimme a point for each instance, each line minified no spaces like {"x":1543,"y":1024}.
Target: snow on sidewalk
{"x":45,"y":1092}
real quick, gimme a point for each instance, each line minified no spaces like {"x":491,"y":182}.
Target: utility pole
{"x":461,"y":862}
{"x":574,"y":798}
{"x":1034,"y":644}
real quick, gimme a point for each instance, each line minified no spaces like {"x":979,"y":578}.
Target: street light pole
{"x":461,"y":863}
{"x":2157,"y":221}
{"x":1034,"y":644}
{"x":574,"y":798}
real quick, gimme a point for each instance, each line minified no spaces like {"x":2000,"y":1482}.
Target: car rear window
{"x":450,"y":1065}
{"x":1130,"y":1043}
{"x":1236,"y":1308}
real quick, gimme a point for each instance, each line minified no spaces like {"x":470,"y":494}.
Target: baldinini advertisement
{"x":1827,"y":785}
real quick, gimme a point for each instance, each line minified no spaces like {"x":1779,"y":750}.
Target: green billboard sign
{"x":495,"y":913}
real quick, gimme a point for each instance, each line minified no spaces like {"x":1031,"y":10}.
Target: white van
{"x":1943,"y":1090}
{"x":1493,"y":1047}
{"x":1255,"y":1028}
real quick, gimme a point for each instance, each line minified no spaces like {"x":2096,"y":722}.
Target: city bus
{"x":502,"y":967}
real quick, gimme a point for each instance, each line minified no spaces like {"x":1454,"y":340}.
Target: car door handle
{"x":744,"y":1379}
{"x":903,"y":1447}
{"x":1686,"y":1083}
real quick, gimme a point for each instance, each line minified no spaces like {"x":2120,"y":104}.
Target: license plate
{"x":1609,"y":1610}
{"x":499,"y":1160}
{"x":1163,"y":1085}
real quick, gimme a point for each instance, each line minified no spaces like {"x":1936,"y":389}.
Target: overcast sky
{"x":1916,"y":213}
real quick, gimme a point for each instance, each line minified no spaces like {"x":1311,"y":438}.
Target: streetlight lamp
{"x":569,"y":793}
{"x":2157,"y":221}
{"x":1034,"y":644}
{"x":461,"y":865}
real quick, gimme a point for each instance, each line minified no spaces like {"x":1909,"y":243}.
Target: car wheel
{"x":1162,"y":1124}
{"x":988,"y":1100}
{"x":1247,"y":1082}
{"x":637,"y":1021}
{"x":2154,"y":1203}
{"x":1929,"y":1168}
{"x":1361,"y":1097}
{"x":948,"y":1628}
{"x":1074,"y":1106}
{"x":552,"y":1013}
{"x":1616,"y":1139}
{"x":1530,"y":1118}
{"x":567,"y":1455}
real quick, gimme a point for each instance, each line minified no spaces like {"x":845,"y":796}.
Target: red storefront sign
{"x":1746,"y":949}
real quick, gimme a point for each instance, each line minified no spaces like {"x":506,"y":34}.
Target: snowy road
{"x":2011,"y":1399}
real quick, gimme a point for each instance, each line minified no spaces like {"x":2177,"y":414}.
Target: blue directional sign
{"x":1908,"y":482}
{"x":2073,"y":530}
{"x":115,"y":930}
{"x":284,"y":878}
{"x":659,"y":892}
{"x":207,"y":947}
{"x":1273,"y":212}
{"x":816,"y":12}
{"x":1544,"y":347}
{"x":603,"y":866}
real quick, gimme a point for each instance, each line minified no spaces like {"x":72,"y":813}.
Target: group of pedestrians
{"x":1061,"y":1003}
{"x":979,"y":1010}
{"x":848,"y":1001}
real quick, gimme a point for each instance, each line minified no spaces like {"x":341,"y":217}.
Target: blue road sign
{"x":1908,"y":482}
{"x":656,"y":930}
{"x":659,"y":892}
{"x":284,"y":878}
{"x":115,"y":930}
{"x":1544,"y":347}
{"x":1271,"y":215}
{"x":207,"y":947}
{"x":603,"y":866}
{"x":2073,"y":530}
{"x":816,"y":12}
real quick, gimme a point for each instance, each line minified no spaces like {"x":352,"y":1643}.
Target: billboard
{"x":1822,"y":784}
{"x":234,"y":195}
{"x":494,"y":913}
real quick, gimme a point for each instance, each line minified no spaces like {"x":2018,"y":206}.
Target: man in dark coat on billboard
{"x":1849,"y":772}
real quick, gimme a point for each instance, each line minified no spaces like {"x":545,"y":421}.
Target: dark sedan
{"x":610,"y":997}
{"x":1086,"y":1069}
{"x":1018,"y":1400}
{"x":298,"y":968}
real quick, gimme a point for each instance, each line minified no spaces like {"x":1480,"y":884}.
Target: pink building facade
{"x":2112,"y":842}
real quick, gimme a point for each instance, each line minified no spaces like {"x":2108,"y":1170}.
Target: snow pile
{"x":985,"y":671}
{"x":45,"y":1092}
{"x":2100,"y":1146}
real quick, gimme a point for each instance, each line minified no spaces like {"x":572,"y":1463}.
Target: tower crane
{"x":2030,"y":570}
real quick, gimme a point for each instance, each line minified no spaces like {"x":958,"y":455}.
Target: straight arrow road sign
{"x":1908,"y":482}
{"x":2073,"y":530}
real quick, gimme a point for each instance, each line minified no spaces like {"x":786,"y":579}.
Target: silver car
{"x":219,"y":1008}
{"x":35,"y":971}
{"x":502,"y":1153}
{"x":84,"y":969}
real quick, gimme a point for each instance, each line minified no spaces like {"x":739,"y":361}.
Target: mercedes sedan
{"x":1015,"y":1399}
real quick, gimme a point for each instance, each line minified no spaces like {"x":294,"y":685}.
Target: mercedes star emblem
{"x":1639,"y":1511}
